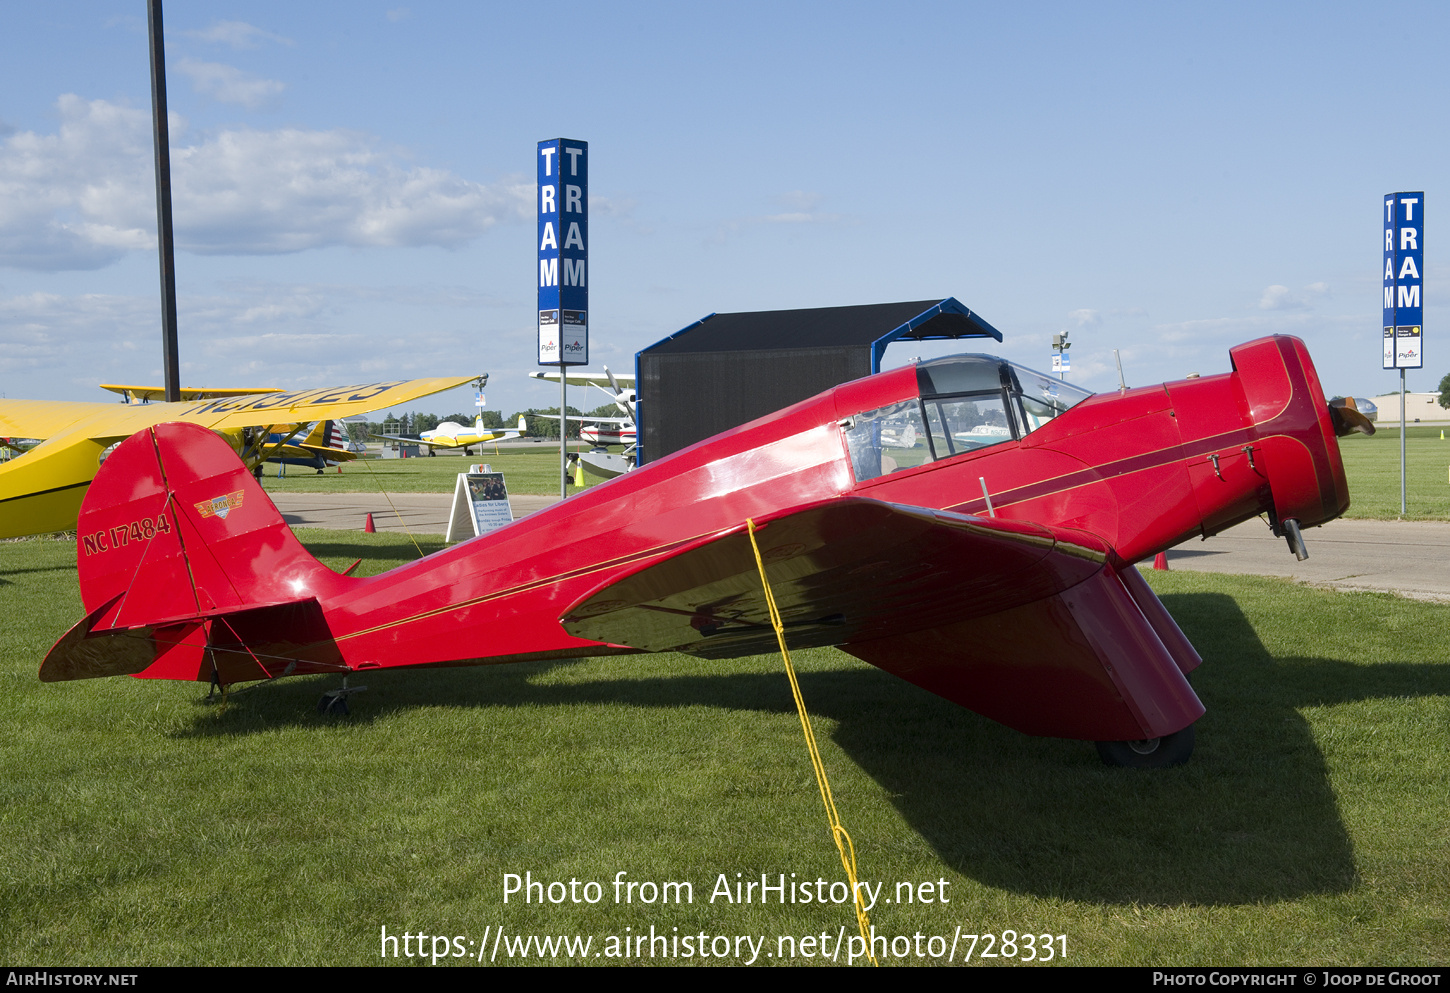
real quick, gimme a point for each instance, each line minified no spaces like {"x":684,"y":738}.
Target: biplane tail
{"x":188,"y":571}
{"x":324,"y":434}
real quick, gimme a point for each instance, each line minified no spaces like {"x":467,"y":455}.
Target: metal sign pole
{"x":563,"y":427}
{"x":1404,"y":507}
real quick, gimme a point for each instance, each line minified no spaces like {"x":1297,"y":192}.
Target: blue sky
{"x":354,"y":181}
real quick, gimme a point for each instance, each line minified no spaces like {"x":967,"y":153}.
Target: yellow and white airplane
{"x":451,"y":434}
{"x":41,"y":490}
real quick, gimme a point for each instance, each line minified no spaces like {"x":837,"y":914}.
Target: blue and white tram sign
{"x":1404,"y":284}
{"x":563,"y":167}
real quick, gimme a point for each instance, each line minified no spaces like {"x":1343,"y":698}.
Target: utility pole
{"x":170,"y":356}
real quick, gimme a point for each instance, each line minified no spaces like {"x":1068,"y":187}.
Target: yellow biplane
{"x":41,"y":490}
{"x":324,"y":444}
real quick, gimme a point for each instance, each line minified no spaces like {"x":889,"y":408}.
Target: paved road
{"x":423,"y":513}
{"x":1408,"y":557}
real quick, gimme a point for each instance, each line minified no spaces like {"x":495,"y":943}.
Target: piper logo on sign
{"x":1404,"y":283}
{"x":563,"y":168}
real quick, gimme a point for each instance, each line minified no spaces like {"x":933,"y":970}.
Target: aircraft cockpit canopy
{"x":966,"y":402}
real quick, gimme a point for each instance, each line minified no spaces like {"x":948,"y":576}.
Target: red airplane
{"x":963,"y":523}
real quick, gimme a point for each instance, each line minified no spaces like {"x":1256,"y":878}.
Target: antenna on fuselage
{"x":1122,"y":386}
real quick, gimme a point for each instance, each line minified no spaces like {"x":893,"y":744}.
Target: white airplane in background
{"x":450,"y":434}
{"x":619,"y":388}
{"x":624,"y":432}
{"x":602,"y":431}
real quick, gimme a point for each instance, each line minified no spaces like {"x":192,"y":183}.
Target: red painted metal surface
{"x":1030,"y":613}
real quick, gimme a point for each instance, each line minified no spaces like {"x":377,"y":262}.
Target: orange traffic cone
{"x":1160,"y":561}
{"x":368,"y":527}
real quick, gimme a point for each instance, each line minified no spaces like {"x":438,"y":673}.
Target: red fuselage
{"x":1128,"y":474}
{"x":1135,"y":470}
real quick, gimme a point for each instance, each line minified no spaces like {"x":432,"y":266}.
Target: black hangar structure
{"x":727,"y":369}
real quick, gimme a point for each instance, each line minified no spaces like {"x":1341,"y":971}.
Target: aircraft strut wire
{"x":399,"y":516}
{"x":844,"y":845}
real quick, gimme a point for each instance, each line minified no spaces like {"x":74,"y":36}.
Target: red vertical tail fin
{"x":181,"y":550}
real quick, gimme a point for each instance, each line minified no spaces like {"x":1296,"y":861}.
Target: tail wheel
{"x":1152,"y":753}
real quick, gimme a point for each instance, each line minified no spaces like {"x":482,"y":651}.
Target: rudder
{"x":175,"y":535}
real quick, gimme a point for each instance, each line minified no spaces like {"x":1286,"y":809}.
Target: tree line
{"x":543,"y":422}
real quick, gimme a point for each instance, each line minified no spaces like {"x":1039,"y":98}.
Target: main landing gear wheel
{"x":1154,"y":753}
{"x":334,"y":702}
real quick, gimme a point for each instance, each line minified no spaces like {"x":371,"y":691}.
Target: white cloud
{"x":803,"y":211}
{"x":229,"y":84}
{"x":75,"y":340}
{"x":1218,"y":328}
{"x":1085,"y":317}
{"x":237,"y":34}
{"x":84,"y":196}
{"x":79,"y":198}
{"x":1238,"y":329}
{"x":244,"y":334}
{"x":1279,"y":298}
{"x":799,"y":200}
{"x":1282,"y":298}
{"x":400,"y":13}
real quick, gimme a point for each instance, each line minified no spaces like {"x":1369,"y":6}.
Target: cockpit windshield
{"x":966,"y":402}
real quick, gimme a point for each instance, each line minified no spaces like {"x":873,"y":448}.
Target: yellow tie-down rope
{"x":838,"y":830}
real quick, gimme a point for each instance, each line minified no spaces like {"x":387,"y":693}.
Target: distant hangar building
{"x":727,"y":369}
{"x":1420,"y":408}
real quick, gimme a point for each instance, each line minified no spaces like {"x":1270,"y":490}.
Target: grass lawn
{"x":144,"y":826}
{"x":527,"y":469}
{"x":1373,"y":468}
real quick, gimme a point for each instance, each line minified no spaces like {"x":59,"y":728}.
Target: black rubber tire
{"x":1155,"y":753}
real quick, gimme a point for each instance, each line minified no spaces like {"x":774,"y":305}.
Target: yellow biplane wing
{"x":41,"y":491}
{"x":151,"y":394}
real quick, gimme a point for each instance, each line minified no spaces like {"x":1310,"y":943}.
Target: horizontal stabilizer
{"x":259,"y":643}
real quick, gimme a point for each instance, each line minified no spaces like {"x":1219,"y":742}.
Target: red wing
{"x":843,"y":571}
{"x":1027,"y":625}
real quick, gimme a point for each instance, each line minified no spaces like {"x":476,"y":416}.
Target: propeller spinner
{"x":1347,"y":418}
